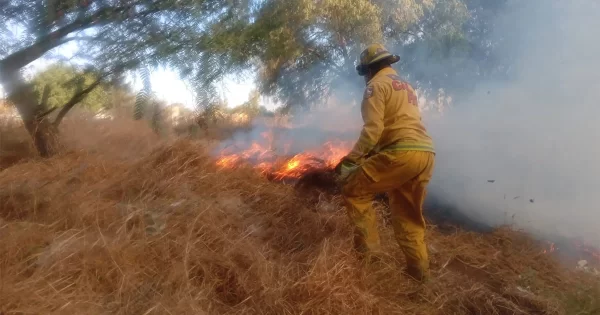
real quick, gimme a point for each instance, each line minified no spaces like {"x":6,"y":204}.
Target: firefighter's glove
{"x":345,"y":168}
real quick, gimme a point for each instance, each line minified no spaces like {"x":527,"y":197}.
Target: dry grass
{"x":14,"y":144}
{"x":126,"y":224}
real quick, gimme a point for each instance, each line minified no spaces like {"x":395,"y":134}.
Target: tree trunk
{"x":44,"y":135}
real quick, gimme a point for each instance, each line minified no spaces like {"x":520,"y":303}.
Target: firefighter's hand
{"x":345,"y":167}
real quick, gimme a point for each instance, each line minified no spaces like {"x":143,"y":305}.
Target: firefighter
{"x":394,"y":154}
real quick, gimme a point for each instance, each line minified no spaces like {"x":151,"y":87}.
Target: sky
{"x":168,"y":86}
{"x":166,"y":83}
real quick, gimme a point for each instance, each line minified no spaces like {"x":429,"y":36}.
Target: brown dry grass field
{"x":123,"y":222}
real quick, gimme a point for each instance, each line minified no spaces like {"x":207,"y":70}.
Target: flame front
{"x":551,"y":248}
{"x":264,"y":159}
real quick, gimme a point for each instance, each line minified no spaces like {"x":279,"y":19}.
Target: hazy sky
{"x":168,"y":86}
{"x":166,"y":83}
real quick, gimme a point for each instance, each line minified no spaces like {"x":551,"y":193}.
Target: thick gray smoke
{"x":524,"y":152}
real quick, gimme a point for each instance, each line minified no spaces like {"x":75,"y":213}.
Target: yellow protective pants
{"x":404,"y":175}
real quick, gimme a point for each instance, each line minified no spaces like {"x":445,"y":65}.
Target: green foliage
{"x":302,"y":50}
{"x":156,"y":121}
{"x":306,"y":51}
{"x":60,"y":82}
{"x":144,"y":96}
{"x":453,"y":48}
{"x":120,"y":97}
{"x":215,"y":112}
{"x":141,"y":101}
{"x":181,"y":34}
{"x":252,"y":108}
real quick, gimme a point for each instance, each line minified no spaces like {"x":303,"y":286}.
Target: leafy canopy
{"x":119,"y":35}
{"x":302,"y":50}
{"x":63,"y":82}
{"x":305,"y":50}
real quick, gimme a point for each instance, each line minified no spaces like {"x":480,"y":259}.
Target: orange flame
{"x":267,"y":162}
{"x":551,"y":248}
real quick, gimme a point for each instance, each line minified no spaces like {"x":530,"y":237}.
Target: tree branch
{"x":78,"y":97}
{"x":56,"y":38}
{"x":46,"y":113}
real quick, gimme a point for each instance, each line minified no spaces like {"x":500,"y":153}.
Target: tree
{"x":118,"y":35}
{"x":63,"y":82}
{"x":311,"y":48}
{"x":251,"y":107}
{"x":302,"y":50}
{"x":306,"y":50}
{"x":120,"y":95}
{"x":453,"y":48}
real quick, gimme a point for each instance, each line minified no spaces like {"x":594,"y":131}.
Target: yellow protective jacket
{"x":392,"y":120}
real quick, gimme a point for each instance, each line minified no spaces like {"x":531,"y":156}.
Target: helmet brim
{"x":393,"y":59}
{"x":390,"y":60}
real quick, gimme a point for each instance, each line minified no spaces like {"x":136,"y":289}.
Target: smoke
{"x":337,"y":118}
{"x":519,"y":151}
{"x":523,"y":151}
